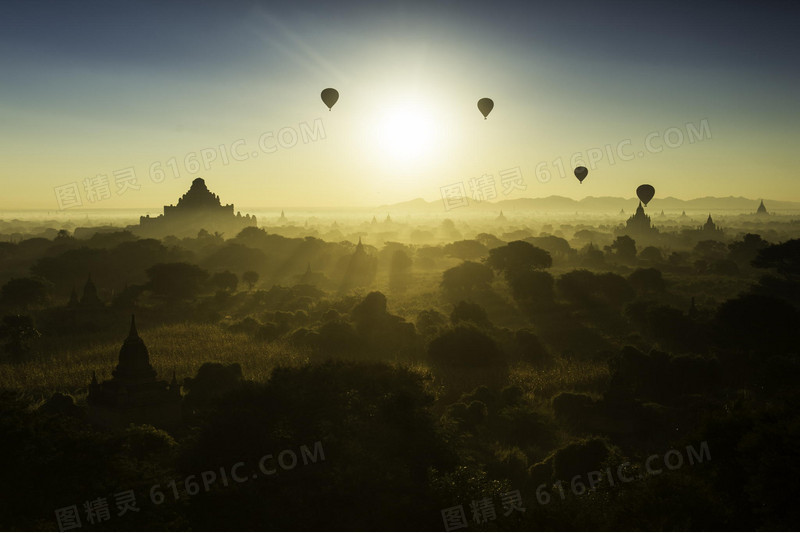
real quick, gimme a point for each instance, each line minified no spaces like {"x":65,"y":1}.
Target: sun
{"x":407,"y":133}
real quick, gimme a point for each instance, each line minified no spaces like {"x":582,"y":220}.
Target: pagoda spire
{"x":133,"y":334}
{"x":134,"y":361}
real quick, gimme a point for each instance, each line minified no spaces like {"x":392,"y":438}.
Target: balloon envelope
{"x":581,"y":173}
{"x":330,"y":96}
{"x":485,"y":106}
{"x":645,"y":193}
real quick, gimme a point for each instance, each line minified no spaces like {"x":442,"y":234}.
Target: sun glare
{"x":406,"y":133}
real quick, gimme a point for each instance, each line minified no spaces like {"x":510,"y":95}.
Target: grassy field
{"x":181,"y":348}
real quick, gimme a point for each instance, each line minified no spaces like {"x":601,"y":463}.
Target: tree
{"x":399,"y":271}
{"x":530,"y":349}
{"x":251,"y":278}
{"x":18,"y":330}
{"x":374,"y":304}
{"x":784,"y":258}
{"x":745,"y":251}
{"x":758,"y":323}
{"x":212,"y":381}
{"x":557,"y":247}
{"x":469,"y":312}
{"x":711,"y":250}
{"x":489,"y":240}
{"x":467,"y":352}
{"x":23,"y":292}
{"x":517,"y":257}
{"x":615,"y":289}
{"x":127,"y":297}
{"x":577,"y":286}
{"x":647,"y":280}
{"x":236,"y":257}
{"x":624,"y":249}
{"x":651,"y":254}
{"x":430,"y":322}
{"x":461,"y":281}
{"x":176,"y":281}
{"x":466,"y":250}
{"x":592,"y":257}
{"x":224,"y":281}
{"x":369,"y":417}
{"x":381,"y":332}
{"x":585,"y":287}
{"x":533,"y":290}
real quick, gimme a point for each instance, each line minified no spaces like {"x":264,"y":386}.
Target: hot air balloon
{"x":330,"y":96}
{"x":645,"y":193}
{"x":581,"y":173}
{"x":485,"y":105}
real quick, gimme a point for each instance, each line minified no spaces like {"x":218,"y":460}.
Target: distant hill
{"x":611,"y":204}
{"x":417,"y":204}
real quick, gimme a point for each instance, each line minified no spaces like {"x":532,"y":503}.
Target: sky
{"x":119,"y":104}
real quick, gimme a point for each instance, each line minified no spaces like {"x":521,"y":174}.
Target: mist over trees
{"x":479,"y":360}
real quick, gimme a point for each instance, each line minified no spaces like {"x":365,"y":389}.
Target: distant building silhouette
{"x":133,"y":394}
{"x":89,"y":298}
{"x":361,"y":269}
{"x":692,"y":313}
{"x":501,"y":217}
{"x":638,"y":226}
{"x":761,"y":209}
{"x":73,"y":302}
{"x":709,"y":230}
{"x":283,"y":219}
{"x":309,"y":277}
{"x":198,"y":209}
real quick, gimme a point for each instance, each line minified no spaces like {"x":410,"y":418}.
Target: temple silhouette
{"x":361,"y":269}
{"x":709,"y":230}
{"x":133,"y":395}
{"x":198,"y":209}
{"x":89,"y":298}
{"x":638,"y":226}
